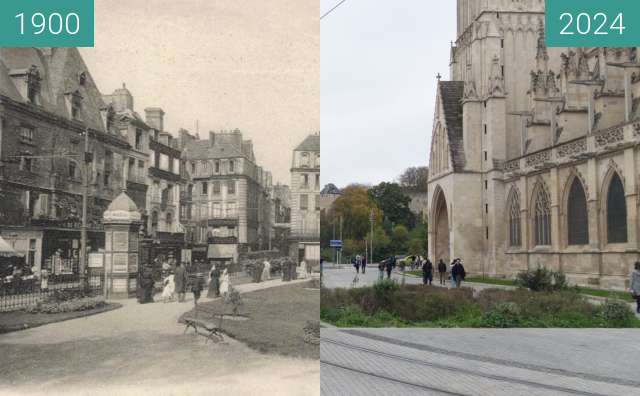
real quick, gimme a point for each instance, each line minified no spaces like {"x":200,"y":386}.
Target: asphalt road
{"x":529,"y":362}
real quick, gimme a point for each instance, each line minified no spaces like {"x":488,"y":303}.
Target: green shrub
{"x":503,"y":315}
{"x":79,"y":304}
{"x":542,"y":279}
{"x":617,"y":314}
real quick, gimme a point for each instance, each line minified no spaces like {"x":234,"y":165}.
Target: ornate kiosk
{"x":122,"y":222}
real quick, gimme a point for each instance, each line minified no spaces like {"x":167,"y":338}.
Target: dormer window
{"x":26,"y":134}
{"x":82,"y":78}
{"x":74,"y":104}
{"x":27,"y":81}
{"x":304,"y":160}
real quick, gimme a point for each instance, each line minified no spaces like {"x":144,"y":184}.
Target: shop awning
{"x":6,"y":250}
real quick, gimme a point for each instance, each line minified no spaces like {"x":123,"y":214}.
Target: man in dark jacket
{"x":442,"y":271}
{"x":180,"y":279}
{"x":391,"y":262}
{"x":364,"y":264}
{"x":427,"y":272}
{"x":458,"y":273}
{"x":145,"y":285}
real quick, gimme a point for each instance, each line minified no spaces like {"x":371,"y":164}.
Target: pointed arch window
{"x":577,"y":218}
{"x":616,"y":212}
{"x":542,"y":218}
{"x":514,"y":221}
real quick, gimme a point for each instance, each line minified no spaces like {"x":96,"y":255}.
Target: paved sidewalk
{"x":140,"y":349}
{"x":514,"y":362}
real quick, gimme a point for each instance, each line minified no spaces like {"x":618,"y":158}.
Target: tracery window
{"x":542,"y":218}
{"x":577,"y":218}
{"x":616,"y":212}
{"x":514,"y":221}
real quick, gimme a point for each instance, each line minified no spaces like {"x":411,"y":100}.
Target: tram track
{"x":439,"y":366}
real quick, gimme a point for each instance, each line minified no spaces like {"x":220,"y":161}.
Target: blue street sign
{"x":335,"y":243}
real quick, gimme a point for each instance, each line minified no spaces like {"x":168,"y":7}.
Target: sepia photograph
{"x":159,"y":204}
{"x":479,"y":204}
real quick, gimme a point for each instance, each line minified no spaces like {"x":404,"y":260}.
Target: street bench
{"x":210,"y":328}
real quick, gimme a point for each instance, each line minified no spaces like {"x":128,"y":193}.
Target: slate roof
{"x":451,"y":93}
{"x":201,"y":149}
{"x":60,"y":74}
{"x":310,"y":143}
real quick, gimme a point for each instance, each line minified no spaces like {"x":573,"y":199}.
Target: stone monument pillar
{"x":122,"y":222}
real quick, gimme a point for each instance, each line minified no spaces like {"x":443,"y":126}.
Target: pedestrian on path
{"x":442,"y":271}
{"x":266,"y":271}
{"x":224,"y":283}
{"x":180,"y":279}
{"x":634,"y":285}
{"x":389,"y":266}
{"x":145,"y":285}
{"x":169,"y":288}
{"x":458,"y":273}
{"x":427,"y":272}
{"x":214,"y":282}
{"x":381,"y":266}
{"x":452,"y":278}
{"x":364,"y":264}
{"x":356,"y":263}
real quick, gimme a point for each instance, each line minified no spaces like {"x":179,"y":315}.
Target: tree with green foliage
{"x":354,"y":207}
{"x":392,"y":201}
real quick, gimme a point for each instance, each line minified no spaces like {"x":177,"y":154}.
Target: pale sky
{"x":247,"y":64}
{"x":378,"y":66}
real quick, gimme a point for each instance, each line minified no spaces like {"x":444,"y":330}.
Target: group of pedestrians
{"x":360,"y":263}
{"x":457,"y":272}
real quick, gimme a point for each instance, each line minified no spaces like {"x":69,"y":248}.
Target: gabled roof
{"x":310,"y":143}
{"x":451,"y":93}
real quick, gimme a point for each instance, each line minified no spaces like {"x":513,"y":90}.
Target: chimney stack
{"x":212,"y":138}
{"x":155,"y":118}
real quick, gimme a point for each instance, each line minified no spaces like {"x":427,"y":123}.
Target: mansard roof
{"x":451,"y":93}
{"x":62,"y":71}
{"x":310,"y":143}
{"x":201,"y":150}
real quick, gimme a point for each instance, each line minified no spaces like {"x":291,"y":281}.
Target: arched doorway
{"x":441,"y":227}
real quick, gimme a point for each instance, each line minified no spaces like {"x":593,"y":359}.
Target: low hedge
{"x":73,"y":305}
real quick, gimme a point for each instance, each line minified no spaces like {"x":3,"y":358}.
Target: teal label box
{"x":592,"y":23}
{"x":46,"y":23}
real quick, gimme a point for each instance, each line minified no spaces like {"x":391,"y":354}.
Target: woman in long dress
{"x":224,"y":283}
{"x":214,"y":282}
{"x":266,"y":271}
{"x":169,"y":288}
{"x":303,"y":270}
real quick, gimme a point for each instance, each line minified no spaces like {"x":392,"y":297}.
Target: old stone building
{"x":48,"y":99}
{"x":534,"y":155}
{"x":226,"y":196}
{"x":305,"y":200}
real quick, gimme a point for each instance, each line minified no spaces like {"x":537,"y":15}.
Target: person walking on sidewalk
{"x":391,"y":262}
{"x":458,"y":273}
{"x":356,"y":263}
{"x":634,"y":285}
{"x":364,"y":264}
{"x":427,"y":272}
{"x":381,"y":266}
{"x":442,"y":271}
{"x":180,"y":279}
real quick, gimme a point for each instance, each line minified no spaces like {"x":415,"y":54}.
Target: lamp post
{"x":371,"y":219}
{"x":86,"y":159}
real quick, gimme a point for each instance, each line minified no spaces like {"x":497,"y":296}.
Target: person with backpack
{"x":442,"y":271}
{"x":427,"y":272}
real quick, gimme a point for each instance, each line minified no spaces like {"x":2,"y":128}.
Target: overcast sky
{"x":378,"y":66}
{"x":247,"y":64}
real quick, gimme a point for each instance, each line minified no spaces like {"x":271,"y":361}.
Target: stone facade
{"x":522,"y":164}
{"x":226,"y":198}
{"x":305,"y":200}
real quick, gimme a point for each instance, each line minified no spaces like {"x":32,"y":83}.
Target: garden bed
{"x":22,"y":320}
{"x":388,"y":305}
{"x":277,"y":319}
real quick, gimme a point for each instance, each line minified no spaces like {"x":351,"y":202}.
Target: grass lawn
{"x":620,"y":295}
{"x":277,"y":317}
{"x":387,"y":304}
{"x":20,"y":320}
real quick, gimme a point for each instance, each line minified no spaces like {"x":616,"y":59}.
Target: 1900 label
{"x":46,"y":23}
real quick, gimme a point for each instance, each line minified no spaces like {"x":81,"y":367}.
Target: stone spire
{"x":496,"y":79}
{"x":542,"y":56}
